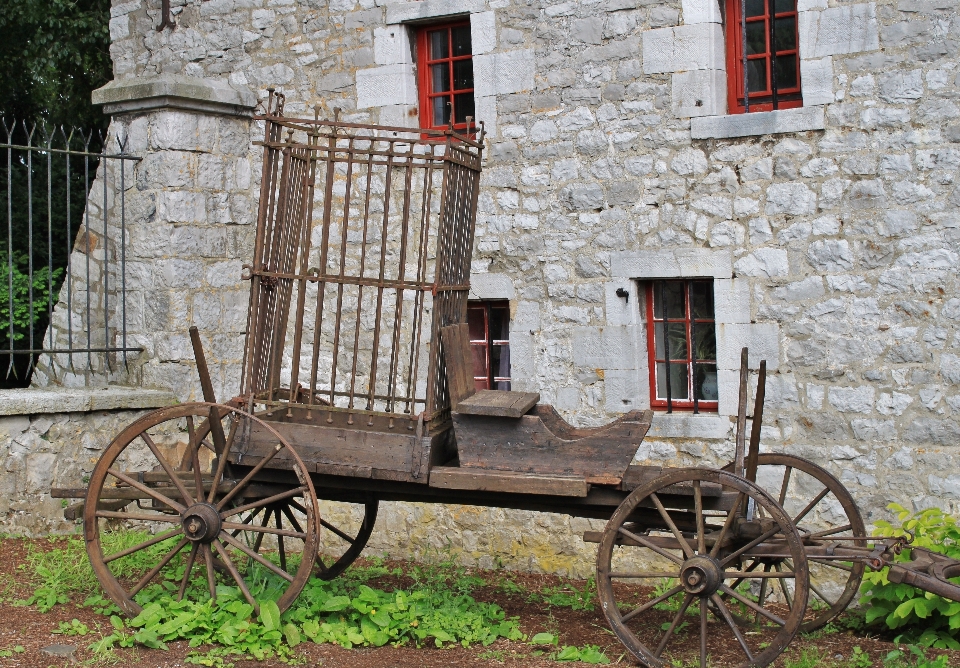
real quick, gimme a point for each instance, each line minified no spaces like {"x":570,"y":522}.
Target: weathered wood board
{"x":498,"y":403}
{"x":449,"y":477}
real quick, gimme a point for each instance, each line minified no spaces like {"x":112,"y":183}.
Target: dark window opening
{"x":772,"y":59}
{"x":490,"y":344}
{"x":445,"y":66}
{"x":682,"y":345}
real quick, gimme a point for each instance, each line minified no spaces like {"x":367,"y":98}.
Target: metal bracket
{"x":166,"y":21}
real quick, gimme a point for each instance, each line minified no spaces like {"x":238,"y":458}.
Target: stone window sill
{"x":688,"y":425}
{"x":34,"y":401}
{"x":756,"y":124}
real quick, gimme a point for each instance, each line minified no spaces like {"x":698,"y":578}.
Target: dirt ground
{"x":30,"y":629}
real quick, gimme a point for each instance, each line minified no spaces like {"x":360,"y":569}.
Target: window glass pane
{"x":441,"y":110}
{"x":756,"y":7}
{"x":438,"y":44}
{"x":439,"y":78}
{"x":756,"y":37}
{"x":757,"y":70}
{"x":705,"y":382}
{"x":704,"y":341}
{"x":701,"y":300}
{"x":785,"y":33}
{"x":786,"y":72}
{"x":678,"y":381}
{"x":462,"y":74}
{"x":499,"y":321}
{"x":464,"y":107}
{"x":677,"y":341}
{"x":461,"y":41}
{"x":475,"y":317}
{"x":675,"y":296}
{"x":781,"y":6}
{"x":500,"y":361}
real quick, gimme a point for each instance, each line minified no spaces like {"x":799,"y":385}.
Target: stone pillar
{"x":189,"y":220}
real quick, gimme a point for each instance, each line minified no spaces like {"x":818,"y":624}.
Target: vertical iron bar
{"x":69,"y":279}
{"x":746,"y":61}
{"x":29,"y":239}
{"x":693,"y":347}
{"x":666,"y":343}
{"x":383,"y":256}
{"x":363,"y":263}
{"x":343,"y":261}
{"x":105,"y":264}
{"x":772,"y":12}
{"x":10,"y":366}
{"x":88,"y":249}
{"x":123,"y":249}
{"x":421,"y":279}
{"x":50,"y":238}
{"x":401,"y":275}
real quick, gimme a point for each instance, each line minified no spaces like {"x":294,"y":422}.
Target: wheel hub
{"x":201,"y":523}
{"x":701,"y":575}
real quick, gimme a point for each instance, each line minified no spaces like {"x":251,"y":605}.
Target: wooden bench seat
{"x":500,"y":403}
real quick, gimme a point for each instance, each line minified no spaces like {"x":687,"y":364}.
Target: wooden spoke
{"x":726,"y":526}
{"x":249,"y":477}
{"x":249,"y":518}
{"x":646,"y":543}
{"x":159,"y":567}
{"x":265,"y":529}
{"x":783,"y":586}
{"x":649,"y":604}
{"x":259,"y":503}
{"x":189,"y":570}
{"x":703,"y":632}
{"x":629,"y":576}
{"x":263,"y":522}
{"x":293,"y":520}
{"x":174,"y":478}
{"x":831,"y":532}
{"x":195,"y":458}
{"x":832,"y":564}
{"x":819,"y":593}
{"x":810,"y":506}
{"x":327,"y":525}
{"x":222,"y":463}
{"x":684,"y":545}
{"x":753,"y":606}
{"x":119,"y":515}
{"x":747,"y":575}
{"x":159,"y":538}
{"x":687,"y":600}
{"x":749,"y":546}
{"x":280,"y":533}
{"x":211,"y":575}
{"x":256,"y":557}
{"x":236,"y":576}
{"x":152,"y":493}
{"x":698,"y":509}
{"x":728,"y":618}
{"x":786,"y":483}
{"x":763,"y":592}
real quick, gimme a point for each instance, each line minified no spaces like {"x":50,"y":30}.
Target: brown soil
{"x":25,"y":626}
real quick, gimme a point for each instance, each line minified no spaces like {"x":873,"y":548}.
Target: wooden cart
{"x":358,"y":388}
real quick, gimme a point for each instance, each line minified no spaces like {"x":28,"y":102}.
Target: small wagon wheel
{"x":348,"y":528}
{"x":701,"y":559}
{"x":822,"y":509}
{"x":199,"y":511}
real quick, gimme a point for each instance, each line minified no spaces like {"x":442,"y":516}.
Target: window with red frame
{"x":682,"y":345}
{"x":490,"y":344}
{"x":445,"y":66}
{"x":772,"y":55}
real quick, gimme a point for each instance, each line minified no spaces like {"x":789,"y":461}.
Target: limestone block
{"x":699,"y":93}
{"x":672,"y":263}
{"x":483,"y":32}
{"x":795,"y":199}
{"x":486,"y":110}
{"x":181,"y":206}
{"x":816,"y":80}
{"x":605,"y":347}
{"x":701,"y":11}
{"x":415,"y":10}
{"x":731,"y":299}
{"x":764,"y":263}
{"x":687,"y":47}
{"x":62,"y":400}
{"x":839,"y":30}
{"x":759,"y":123}
{"x":386,"y":85}
{"x":119,"y":27}
{"x":400,"y":116}
{"x":391,"y":45}
{"x":679,"y":425}
{"x":620,"y":310}
{"x":504,"y":73}
{"x":491,"y":286}
{"x":523,"y":361}
{"x":621,"y":390}
{"x":763,"y":340}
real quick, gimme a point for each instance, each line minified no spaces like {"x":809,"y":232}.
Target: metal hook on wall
{"x":166,"y":20}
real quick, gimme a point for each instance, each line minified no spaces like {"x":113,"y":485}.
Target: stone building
{"x":823,"y":232}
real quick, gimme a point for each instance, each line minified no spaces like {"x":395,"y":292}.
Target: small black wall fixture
{"x":622,"y":292}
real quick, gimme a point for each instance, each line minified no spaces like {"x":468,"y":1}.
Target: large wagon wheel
{"x":203,"y":514}
{"x":700,"y":560}
{"x":348,"y":526}
{"x":822,"y":509}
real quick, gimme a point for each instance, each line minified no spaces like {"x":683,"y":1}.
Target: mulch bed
{"x":25,"y":626}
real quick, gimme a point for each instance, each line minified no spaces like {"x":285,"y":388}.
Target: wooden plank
{"x":459,"y":362}
{"x":637,"y":476}
{"x":448,"y":477}
{"x":499,"y":403}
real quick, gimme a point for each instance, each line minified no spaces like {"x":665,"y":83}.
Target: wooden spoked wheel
{"x":696,"y":537}
{"x":348,"y":528}
{"x":202,"y":518}
{"x":824,"y":513}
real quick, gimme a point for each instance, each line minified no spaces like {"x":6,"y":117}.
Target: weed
{"x":586,"y":654}
{"x":493,"y":654}
{"x":859,"y":659}
{"x":72,"y":628}
{"x":6,"y":653}
{"x":809,"y":658}
{"x":569,"y":596}
{"x":509,"y":586}
{"x":673,"y":603}
{"x":914,"y":657}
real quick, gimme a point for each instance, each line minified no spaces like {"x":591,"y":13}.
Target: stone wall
{"x":830,"y":231}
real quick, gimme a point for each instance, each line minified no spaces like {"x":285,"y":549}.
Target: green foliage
{"x":7,"y":653}
{"x":914,"y":657}
{"x":23,"y":318}
{"x":859,"y":659}
{"x":72,"y":628}
{"x":586,"y":654}
{"x":809,"y":658}
{"x":921,"y":617}
{"x":569,"y":596}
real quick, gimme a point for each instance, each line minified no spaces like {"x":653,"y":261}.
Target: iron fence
{"x":65,"y":242}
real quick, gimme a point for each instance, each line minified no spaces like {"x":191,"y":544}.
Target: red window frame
{"x":768,"y":99}
{"x":424,"y":75}
{"x":482,"y":343}
{"x":690,"y":324}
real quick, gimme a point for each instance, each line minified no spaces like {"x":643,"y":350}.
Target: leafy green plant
{"x":808,"y":658}
{"x":7,"y":653}
{"x":586,"y":654}
{"x":21,"y":314}
{"x":914,"y":657}
{"x":569,"y":596}
{"x":72,"y":628}
{"x":922,"y":618}
{"x":859,"y":659}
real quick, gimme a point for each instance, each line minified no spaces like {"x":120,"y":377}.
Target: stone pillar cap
{"x":175,"y":91}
